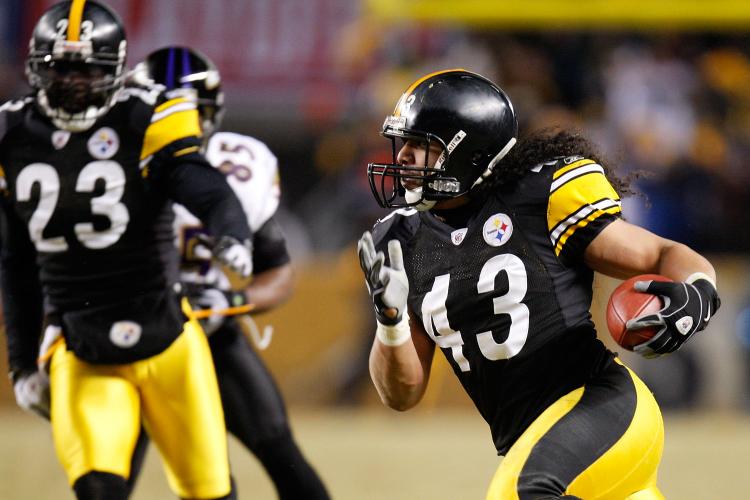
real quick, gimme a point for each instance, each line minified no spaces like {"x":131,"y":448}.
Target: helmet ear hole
{"x":477,"y":157}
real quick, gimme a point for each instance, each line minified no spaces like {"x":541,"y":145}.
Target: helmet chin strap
{"x":77,"y":122}
{"x":415,"y":196}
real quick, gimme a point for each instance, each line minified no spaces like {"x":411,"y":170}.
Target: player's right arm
{"x":401,"y":354}
{"x":401,"y":373}
{"x":22,"y":293}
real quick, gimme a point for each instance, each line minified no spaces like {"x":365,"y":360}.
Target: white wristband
{"x":395,"y":335}
{"x":700,"y":276}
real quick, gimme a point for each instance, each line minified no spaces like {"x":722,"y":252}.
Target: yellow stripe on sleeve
{"x":174,"y":120}
{"x":168,"y":104}
{"x":568,"y":168}
{"x":74,"y":20}
{"x":560,"y":244}
{"x":578,"y":201}
{"x":186,"y":151}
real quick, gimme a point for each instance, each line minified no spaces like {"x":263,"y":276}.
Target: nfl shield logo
{"x":60,"y":138}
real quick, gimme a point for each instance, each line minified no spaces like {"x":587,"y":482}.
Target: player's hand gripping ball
{"x":626,"y":303}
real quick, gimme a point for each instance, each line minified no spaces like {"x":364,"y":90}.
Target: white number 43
{"x":435,"y":312}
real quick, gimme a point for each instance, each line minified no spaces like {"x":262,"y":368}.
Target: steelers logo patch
{"x":497,"y":230}
{"x":103,"y":144}
{"x":125,"y":333}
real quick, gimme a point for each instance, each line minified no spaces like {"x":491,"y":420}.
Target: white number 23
{"x":107,"y":204}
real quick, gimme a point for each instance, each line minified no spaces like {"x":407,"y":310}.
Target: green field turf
{"x":376,"y":454}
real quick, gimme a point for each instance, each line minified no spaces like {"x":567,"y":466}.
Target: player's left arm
{"x":584,"y":224}
{"x":624,"y":250}
{"x":171,"y":153}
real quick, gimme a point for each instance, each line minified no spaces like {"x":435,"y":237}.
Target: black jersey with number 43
{"x":507,"y":298}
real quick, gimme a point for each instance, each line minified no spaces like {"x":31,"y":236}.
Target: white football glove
{"x":213,"y":299}
{"x":388,"y":285}
{"x":32,"y":392}
{"x":236,"y":259}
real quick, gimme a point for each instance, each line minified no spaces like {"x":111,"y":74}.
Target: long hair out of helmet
{"x":184,"y":70}
{"x":471,"y":120}
{"x":76,"y":62}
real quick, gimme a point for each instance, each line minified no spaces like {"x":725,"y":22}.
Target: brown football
{"x":625,"y":304}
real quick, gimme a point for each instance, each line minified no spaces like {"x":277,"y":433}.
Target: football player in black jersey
{"x":490,"y":256}
{"x":253,"y":407}
{"x":88,"y":169}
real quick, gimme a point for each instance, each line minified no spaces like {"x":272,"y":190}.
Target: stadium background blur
{"x":661,"y":87}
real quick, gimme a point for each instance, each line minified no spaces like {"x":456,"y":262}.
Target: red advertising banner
{"x":258,"y":43}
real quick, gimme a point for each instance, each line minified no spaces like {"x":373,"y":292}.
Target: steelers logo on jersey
{"x":104,"y":143}
{"x":497,"y":230}
{"x":125,"y":333}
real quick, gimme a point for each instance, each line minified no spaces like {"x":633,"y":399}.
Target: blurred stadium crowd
{"x":674,"y":108}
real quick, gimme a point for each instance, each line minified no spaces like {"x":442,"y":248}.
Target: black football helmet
{"x":76,"y":62}
{"x":468,"y":116}
{"x":180,"y":69}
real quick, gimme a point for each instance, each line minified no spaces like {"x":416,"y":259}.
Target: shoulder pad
{"x":171,"y":120}
{"x":252,"y":172}
{"x":9,"y":113}
{"x":238,"y":142}
{"x":399,"y":224}
{"x":148,"y":95}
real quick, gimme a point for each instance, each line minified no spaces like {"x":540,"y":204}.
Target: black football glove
{"x":388,"y":285}
{"x":688,"y":308}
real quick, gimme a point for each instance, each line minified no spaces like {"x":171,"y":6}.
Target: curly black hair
{"x":543,"y":146}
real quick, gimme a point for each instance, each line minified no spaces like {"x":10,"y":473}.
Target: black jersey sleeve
{"x":269,"y":247}
{"x":203,"y":190}
{"x":21,"y":292}
{"x":172,"y":158}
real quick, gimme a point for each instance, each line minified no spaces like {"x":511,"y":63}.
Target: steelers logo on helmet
{"x":497,"y":230}
{"x":469,"y":119}
{"x":76,"y":62}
